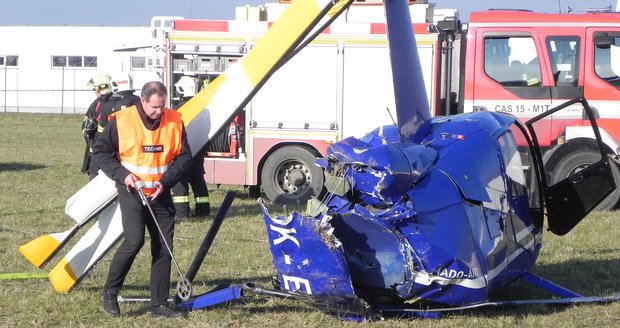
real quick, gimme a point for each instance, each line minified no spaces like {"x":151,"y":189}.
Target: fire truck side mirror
{"x":604,"y":41}
{"x":450,"y":24}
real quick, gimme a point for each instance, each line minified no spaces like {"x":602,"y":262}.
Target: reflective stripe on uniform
{"x":150,"y":184}
{"x":145,"y":169}
{"x":180,"y":199}
{"x":202,"y":199}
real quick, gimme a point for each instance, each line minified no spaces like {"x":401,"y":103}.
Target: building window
{"x":74,"y":61}
{"x":8,"y":61}
{"x":138,"y":62}
{"x":141,"y":62}
{"x":90,"y":61}
{"x":59,"y":61}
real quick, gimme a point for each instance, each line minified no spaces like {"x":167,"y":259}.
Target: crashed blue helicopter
{"x":430,"y":214}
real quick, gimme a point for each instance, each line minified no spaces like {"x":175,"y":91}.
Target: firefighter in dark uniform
{"x":186,"y":88}
{"x":122,"y":96}
{"x":100,"y":83}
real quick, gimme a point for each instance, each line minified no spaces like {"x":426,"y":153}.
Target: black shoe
{"x":166,"y":311}
{"x":110,"y":304}
{"x":181,"y":210}
{"x":203,"y":209}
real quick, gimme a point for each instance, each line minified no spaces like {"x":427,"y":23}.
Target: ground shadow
{"x":14,"y":166}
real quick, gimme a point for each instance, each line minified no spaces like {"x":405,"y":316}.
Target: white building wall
{"x":35,"y":86}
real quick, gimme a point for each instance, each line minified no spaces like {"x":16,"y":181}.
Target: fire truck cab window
{"x":607,"y":59}
{"x":564,"y":55}
{"x":509,"y":67}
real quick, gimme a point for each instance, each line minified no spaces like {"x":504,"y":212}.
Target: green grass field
{"x":40,"y":159}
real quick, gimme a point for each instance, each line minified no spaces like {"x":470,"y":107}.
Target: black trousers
{"x":135,"y":218}
{"x":194,"y":177}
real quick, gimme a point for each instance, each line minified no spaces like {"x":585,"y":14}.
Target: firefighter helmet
{"x":100,"y":82}
{"x":121,"y":82}
{"x":186,"y":86}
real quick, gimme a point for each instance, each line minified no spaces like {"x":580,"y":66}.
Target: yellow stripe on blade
{"x":38,"y":250}
{"x":338,"y":6}
{"x":62,"y":277}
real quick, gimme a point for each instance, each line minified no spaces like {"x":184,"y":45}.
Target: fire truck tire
{"x":289,"y":176}
{"x":575,"y":162}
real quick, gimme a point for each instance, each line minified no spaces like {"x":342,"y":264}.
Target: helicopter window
{"x":607,"y":60}
{"x":512,"y":68}
{"x":519,"y":166}
{"x":564,"y":55}
{"x":512,"y":160}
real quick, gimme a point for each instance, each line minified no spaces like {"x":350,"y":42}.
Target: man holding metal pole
{"x":144,"y":147}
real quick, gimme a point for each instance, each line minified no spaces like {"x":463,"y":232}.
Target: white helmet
{"x":186,"y":86}
{"x":121,"y":82}
{"x":100,"y":82}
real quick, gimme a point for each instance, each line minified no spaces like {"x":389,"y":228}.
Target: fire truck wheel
{"x":290,"y":176}
{"x":576,"y":162}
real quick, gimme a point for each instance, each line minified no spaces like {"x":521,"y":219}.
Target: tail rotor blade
{"x":40,"y":250}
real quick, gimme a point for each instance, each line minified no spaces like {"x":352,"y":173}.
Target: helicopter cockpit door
{"x":569,"y":200}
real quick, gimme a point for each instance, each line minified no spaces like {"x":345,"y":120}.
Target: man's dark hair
{"x":152,"y":88}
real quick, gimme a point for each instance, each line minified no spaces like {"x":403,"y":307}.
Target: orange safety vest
{"x":145,"y":153}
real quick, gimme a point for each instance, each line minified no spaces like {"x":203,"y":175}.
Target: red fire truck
{"x":513,"y":61}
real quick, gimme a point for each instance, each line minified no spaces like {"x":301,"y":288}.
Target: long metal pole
{"x":208,"y":240}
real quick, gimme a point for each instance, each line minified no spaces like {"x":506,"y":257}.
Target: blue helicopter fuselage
{"x":446,"y":219}
{"x":432,"y":209}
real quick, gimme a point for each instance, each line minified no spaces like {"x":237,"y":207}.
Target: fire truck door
{"x":508,"y":74}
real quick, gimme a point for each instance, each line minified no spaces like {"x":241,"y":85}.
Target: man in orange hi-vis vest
{"x":145,"y":142}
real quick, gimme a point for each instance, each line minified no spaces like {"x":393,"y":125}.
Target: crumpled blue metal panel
{"x":381,"y":172}
{"x":378,"y":256}
{"x":307,"y":256}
